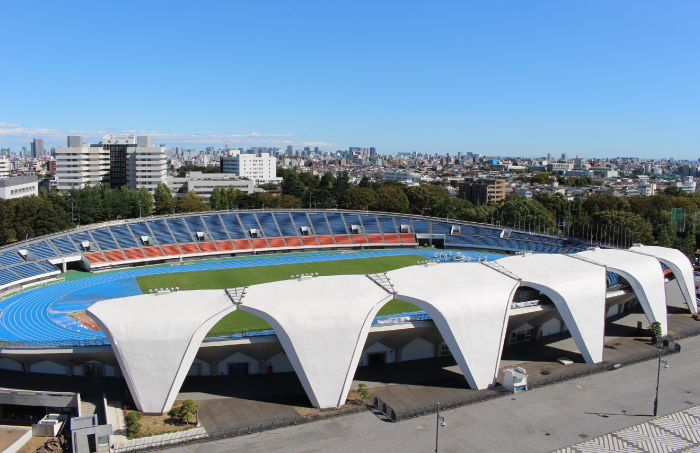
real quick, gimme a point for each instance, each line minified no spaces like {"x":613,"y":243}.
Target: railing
{"x":237,"y":334}
{"x":400,"y":318}
{"x":245,"y":428}
{"x":528,"y":303}
{"x":52,"y":344}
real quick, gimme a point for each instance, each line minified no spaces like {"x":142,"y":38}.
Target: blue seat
{"x":442,"y":227}
{"x":387,"y":224}
{"x":195,"y":224}
{"x":335,"y":220}
{"x":405,"y":221}
{"x":10,"y":258}
{"x":510,"y":243}
{"x":104,"y":239}
{"x":468,"y":240}
{"x":64,"y":245}
{"x":141,"y":229}
{"x":42,"y":250}
{"x":488,"y":241}
{"x":83,"y":236}
{"x":8,"y":277}
{"x":123,"y":236}
{"x":268,"y":225}
{"x":160,"y":231}
{"x":180,"y":231}
{"x":48,"y":267}
{"x":491,"y":232}
{"x":27,"y":270}
{"x":369,"y":221}
{"x":301,"y":220}
{"x":284,"y":220}
{"x":421,"y":226}
{"x":519,"y":235}
{"x":319,"y":222}
{"x":233,"y":226}
{"x":351,"y":219}
{"x":216,"y":228}
{"x":249,"y":222}
{"x":471,"y":230}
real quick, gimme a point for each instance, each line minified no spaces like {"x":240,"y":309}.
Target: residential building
{"x":260,"y":168}
{"x":481,"y":191}
{"x":5,"y":168}
{"x":18,"y":187}
{"x":118,"y":160}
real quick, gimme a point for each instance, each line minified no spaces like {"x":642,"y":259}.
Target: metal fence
{"x":478,"y":396}
{"x":48,"y":344}
{"x":257,"y":426}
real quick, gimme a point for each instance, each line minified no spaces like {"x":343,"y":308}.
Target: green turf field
{"x":231,"y":278}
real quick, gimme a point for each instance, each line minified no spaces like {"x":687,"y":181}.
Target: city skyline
{"x":503,"y":79}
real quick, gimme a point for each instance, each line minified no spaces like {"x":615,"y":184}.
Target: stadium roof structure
{"x":469,"y":302}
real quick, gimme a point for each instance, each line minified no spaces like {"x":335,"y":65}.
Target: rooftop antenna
{"x":226,"y":146}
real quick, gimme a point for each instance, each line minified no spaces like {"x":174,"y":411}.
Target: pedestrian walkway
{"x":675,"y":433}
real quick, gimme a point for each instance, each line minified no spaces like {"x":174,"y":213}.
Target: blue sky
{"x":595,"y":78}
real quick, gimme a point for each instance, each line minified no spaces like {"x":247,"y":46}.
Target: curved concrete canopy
{"x":577,"y":289}
{"x":679,"y":265}
{"x":644,"y":275}
{"x":156,"y":353}
{"x":469,"y":303}
{"x":322,"y":324}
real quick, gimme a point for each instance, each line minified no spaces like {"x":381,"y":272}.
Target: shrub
{"x":656,"y":329}
{"x":696,"y":316}
{"x":186,"y":411}
{"x":363,"y":391}
{"x":133,"y":417}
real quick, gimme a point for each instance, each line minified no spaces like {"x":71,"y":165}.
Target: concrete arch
{"x":470,"y":304}
{"x":577,"y":289}
{"x":155,"y":355}
{"x":679,"y":265}
{"x":322,"y":324}
{"x":644,"y":276}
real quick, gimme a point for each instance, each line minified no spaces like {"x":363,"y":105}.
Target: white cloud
{"x":19,"y":135}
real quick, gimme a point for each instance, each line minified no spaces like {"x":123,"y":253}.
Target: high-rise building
{"x":37,"y":147}
{"x":120,"y":160}
{"x":290,"y":150}
{"x":564,"y":156}
{"x":481,"y":191}
{"x":372,"y":151}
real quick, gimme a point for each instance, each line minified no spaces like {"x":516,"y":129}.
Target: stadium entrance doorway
{"x":238,"y":369}
{"x":431,"y":240}
{"x":376,"y":359}
{"x":94,"y":370}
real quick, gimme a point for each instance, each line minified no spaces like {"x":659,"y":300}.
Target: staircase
{"x":90,"y":405}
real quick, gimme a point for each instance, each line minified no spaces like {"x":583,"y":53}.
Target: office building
{"x":120,"y":160}
{"x":4,"y":168}
{"x":18,"y":187}
{"x":37,"y":147}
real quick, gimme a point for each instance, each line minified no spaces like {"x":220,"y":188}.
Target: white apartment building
{"x":203,"y":184}
{"x":260,"y":168}
{"x":18,"y":187}
{"x":401,"y":176}
{"x":118,"y":160}
{"x":5,"y":168}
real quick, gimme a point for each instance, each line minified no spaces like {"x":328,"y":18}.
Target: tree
{"x":191,"y":203}
{"x":363,"y":391}
{"x":186,"y":411}
{"x":145,"y":200}
{"x":687,"y":242}
{"x":391,"y":199}
{"x":164,"y":200}
{"x":133,"y":427}
{"x":327,"y":181}
{"x":674,"y":191}
{"x":358,"y":198}
{"x":342,"y":183}
{"x":219,"y":199}
{"x":622,"y":227}
{"x":424,"y":198}
{"x":268,"y":186}
{"x":292,"y":185}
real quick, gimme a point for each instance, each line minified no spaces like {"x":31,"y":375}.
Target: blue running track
{"x":42,"y":314}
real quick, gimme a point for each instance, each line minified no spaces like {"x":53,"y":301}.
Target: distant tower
{"x":226,"y":146}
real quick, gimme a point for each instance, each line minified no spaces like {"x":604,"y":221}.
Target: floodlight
{"x":443,"y":424}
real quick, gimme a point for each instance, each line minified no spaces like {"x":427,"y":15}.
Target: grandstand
{"x":154,"y":240}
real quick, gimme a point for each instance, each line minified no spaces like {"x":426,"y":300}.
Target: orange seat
{"x":242,"y":244}
{"x":189,"y":249}
{"x":342,"y":239}
{"x":408,"y":238}
{"x":134,"y":254}
{"x":276,"y":242}
{"x":359,"y":239}
{"x":115,"y":255}
{"x":392,"y":238}
{"x":259,"y":243}
{"x":95,"y":258}
{"x":326,"y":240}
{"x":225,"y":246}
{"x":375,"y":238}
{"x":207,"y":247}
{"x":309,"y":240}
{"x":292,"y":241}
{"x":153,"y":252}
{"x":172,"y":250}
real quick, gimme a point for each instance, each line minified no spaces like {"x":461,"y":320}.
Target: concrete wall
{"x":418,"y":349}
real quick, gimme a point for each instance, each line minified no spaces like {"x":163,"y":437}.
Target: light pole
{"x":439,"y":423}
{"x":139,"y":209}
{"x":658,"y":376}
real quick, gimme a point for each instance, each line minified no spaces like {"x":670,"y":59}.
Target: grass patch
{"x":230,"y":278}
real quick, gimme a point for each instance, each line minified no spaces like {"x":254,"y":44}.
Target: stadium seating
{"x":243,"y":231}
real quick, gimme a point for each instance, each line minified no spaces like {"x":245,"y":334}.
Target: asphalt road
{"x":540,"y":420}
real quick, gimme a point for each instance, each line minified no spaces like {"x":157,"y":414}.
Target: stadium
{"x":313,"y":294}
